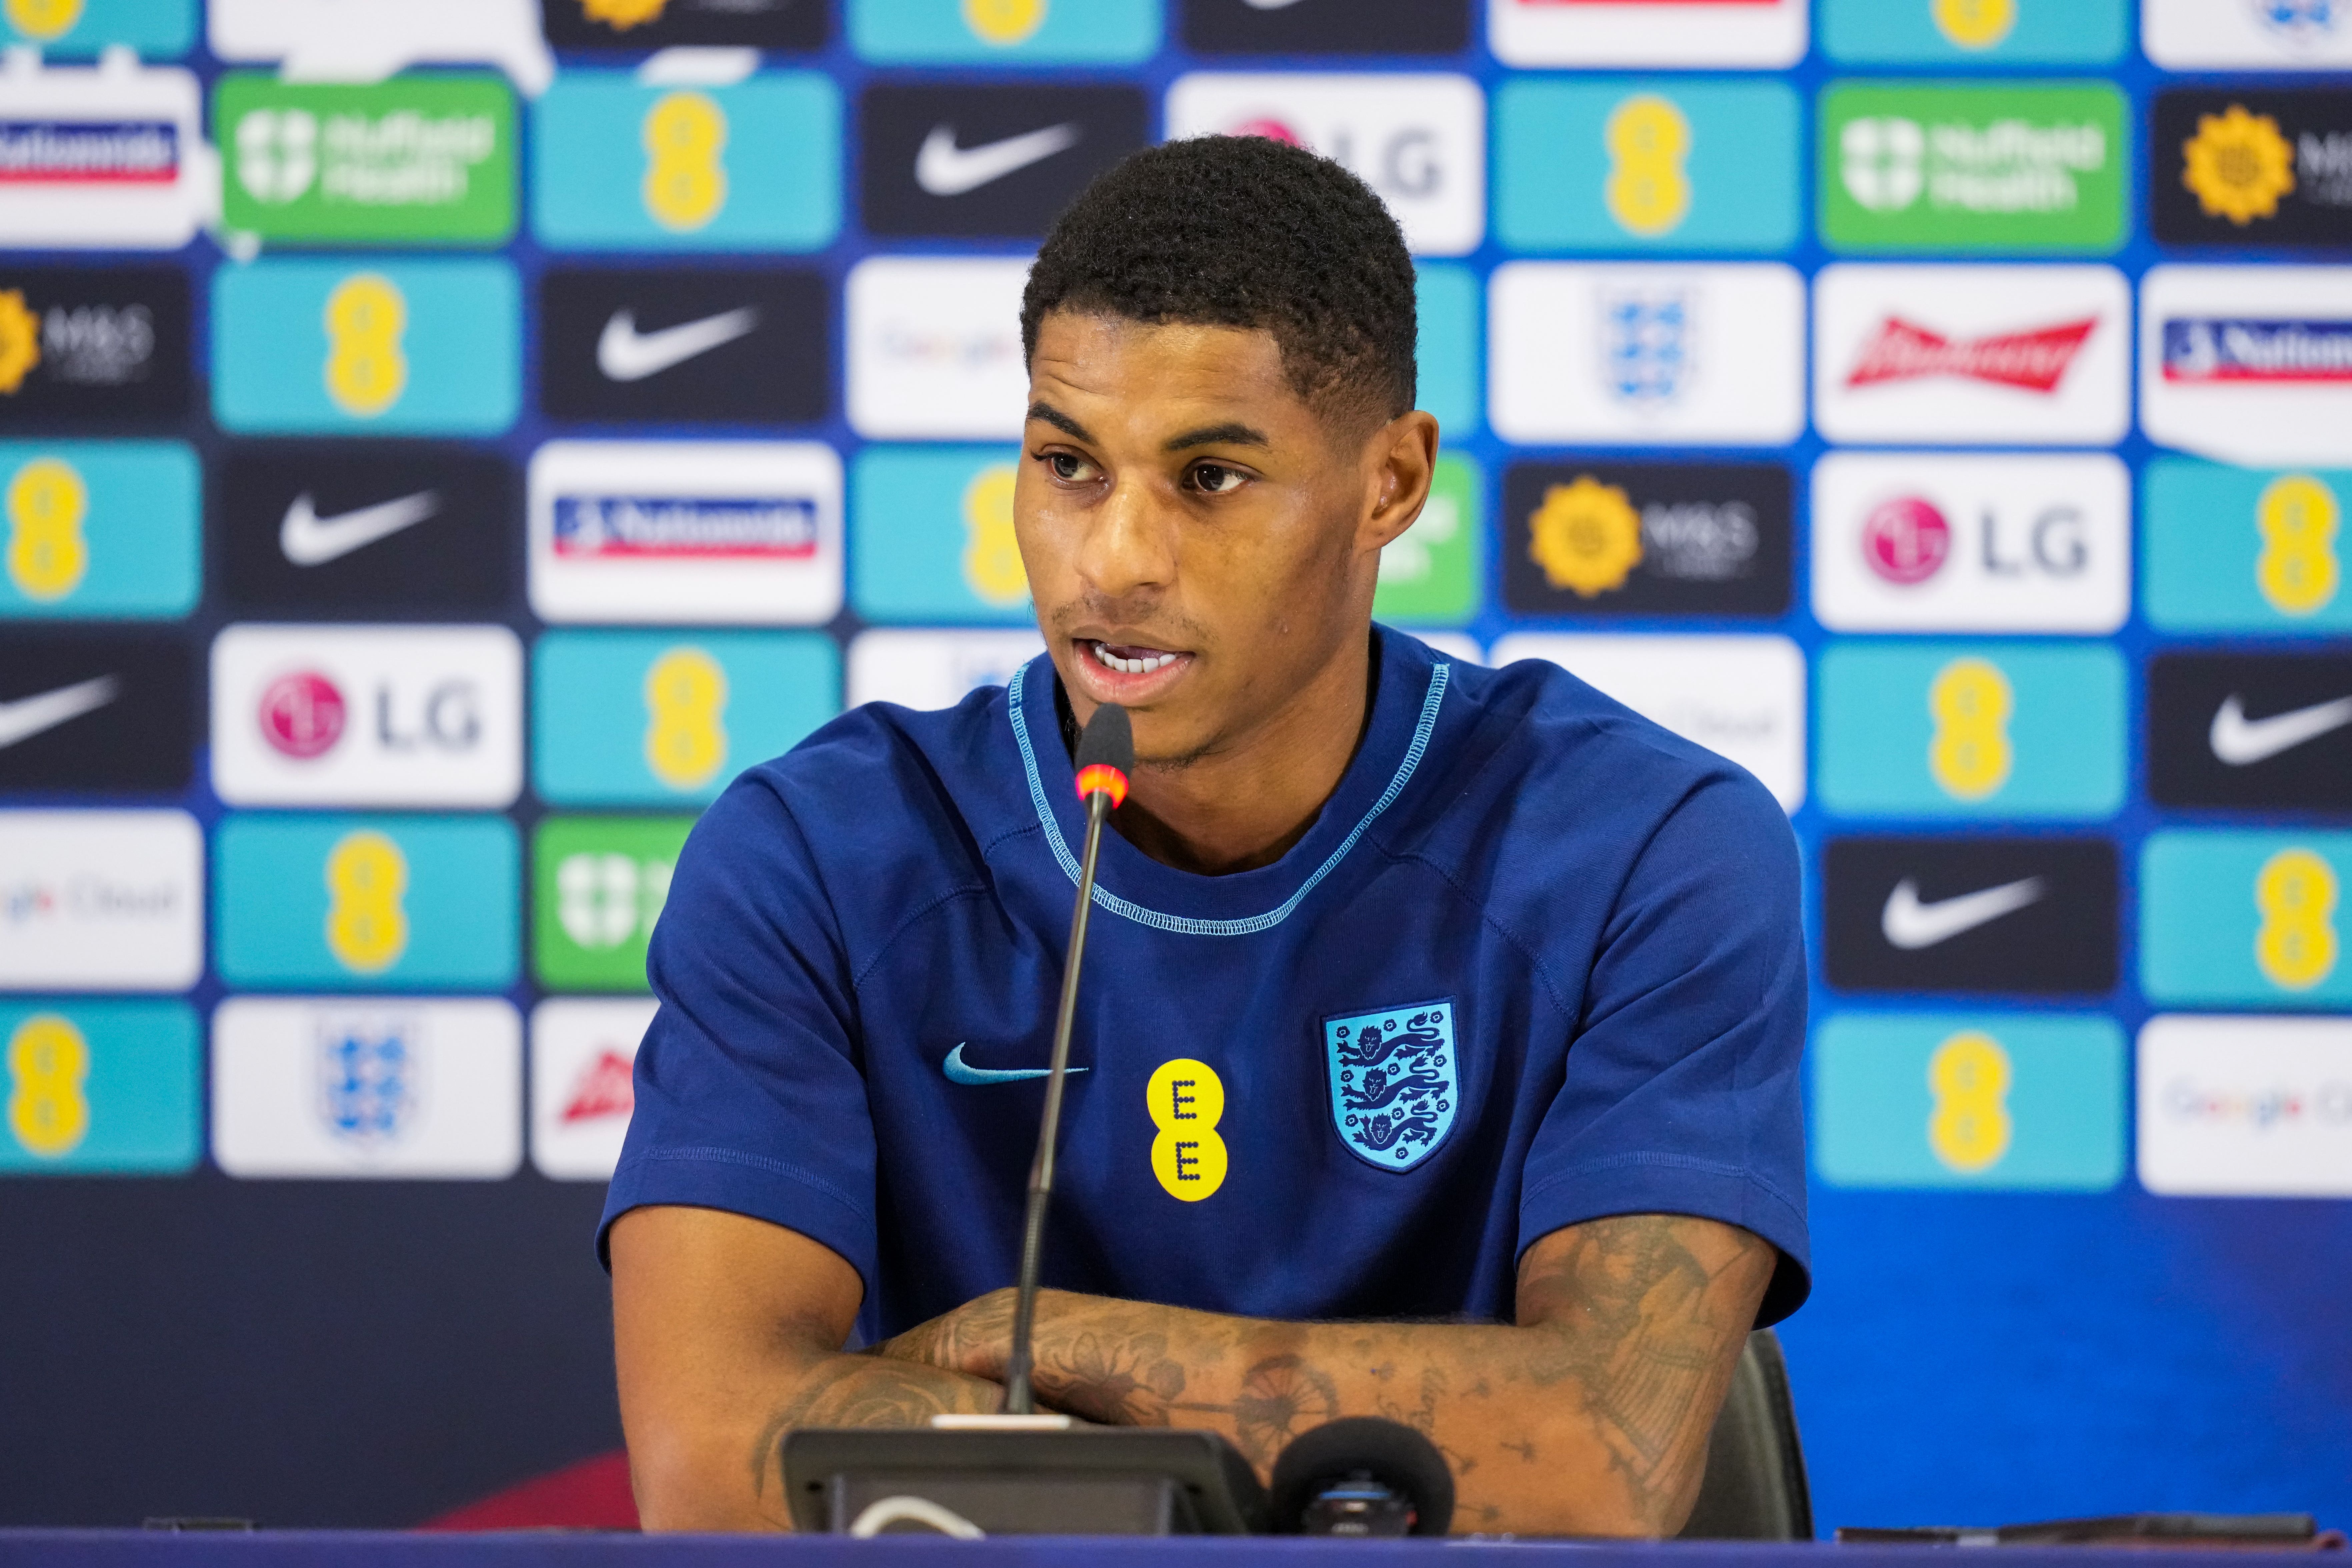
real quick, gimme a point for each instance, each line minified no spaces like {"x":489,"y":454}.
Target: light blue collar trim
{"x":1107,"y":899}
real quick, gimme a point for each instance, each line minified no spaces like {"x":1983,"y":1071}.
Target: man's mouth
{"x":1129,"y":659}
{"x":1128,"y":673}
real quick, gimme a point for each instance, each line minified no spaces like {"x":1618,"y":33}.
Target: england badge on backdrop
{"x":2248,"y":35}
{"x":1939,"y":542}
{"x":934,"y":668}
{"x":747,"y":532}
{"x":1668,"y":354}
{"x":1683,"y":33}
{"x":1419,"y":141}
{"x":2036,"y":356}
{"x":103,"y":157}
{"x":2248,"y":364}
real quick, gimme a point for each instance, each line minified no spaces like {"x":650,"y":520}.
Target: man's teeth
{"x":1144,"y":666}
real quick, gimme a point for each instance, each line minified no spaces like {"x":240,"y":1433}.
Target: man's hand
{"x":1589,"y":1417}
{"x":726,"y":1333}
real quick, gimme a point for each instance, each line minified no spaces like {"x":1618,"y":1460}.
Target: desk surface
{"x":530,"y":1549}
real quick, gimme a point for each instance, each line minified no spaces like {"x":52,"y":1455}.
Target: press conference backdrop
{"x":433,"y":465}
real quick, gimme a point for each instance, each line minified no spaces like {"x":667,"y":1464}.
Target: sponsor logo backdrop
{"x":440,"y":449}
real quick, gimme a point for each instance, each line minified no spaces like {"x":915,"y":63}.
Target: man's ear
{"x":1400,"y":459}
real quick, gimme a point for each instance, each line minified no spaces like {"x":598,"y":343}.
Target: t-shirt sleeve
{"x":749,"y":1095}
{"x":1681,"y":1093}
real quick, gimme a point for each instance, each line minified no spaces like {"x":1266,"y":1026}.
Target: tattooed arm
{"x":1590,"y":1416}
{"x":726,"y":1332}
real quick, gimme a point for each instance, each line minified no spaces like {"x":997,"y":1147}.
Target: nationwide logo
{"x":2031,"y":360}
{"x":2211,"y":350}
{"x":89,"y":152}
{"x":685,"y":528}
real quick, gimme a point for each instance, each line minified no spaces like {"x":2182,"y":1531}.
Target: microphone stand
{"x":1020,"y":1397}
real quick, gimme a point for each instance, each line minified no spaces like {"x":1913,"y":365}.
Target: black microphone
{"x":1105,"y":756}
{"x":1362,"y":1475}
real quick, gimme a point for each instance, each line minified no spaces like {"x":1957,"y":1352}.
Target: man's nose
{"x":1129,"y":542}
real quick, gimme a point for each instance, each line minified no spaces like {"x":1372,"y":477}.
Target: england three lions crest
{"x":1394,"y":1084}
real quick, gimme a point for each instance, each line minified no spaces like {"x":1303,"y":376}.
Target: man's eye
{"x":1216,"y":479}
{"x":1067,"y":466}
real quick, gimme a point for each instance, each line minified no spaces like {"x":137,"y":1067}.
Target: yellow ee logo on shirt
{"x":1187,"y":1099}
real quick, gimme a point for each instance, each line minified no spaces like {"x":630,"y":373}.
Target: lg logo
{"x":303,"y":716}
{"x":2010,"y":541}
{"x":1404,"y":163}
{"x":1906,"y":540}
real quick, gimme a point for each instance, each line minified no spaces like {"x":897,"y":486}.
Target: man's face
{"x":1199,"y":540}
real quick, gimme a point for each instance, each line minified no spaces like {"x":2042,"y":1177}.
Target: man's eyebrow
{"x":1231,"y":434}
{"x":1059,"y":420}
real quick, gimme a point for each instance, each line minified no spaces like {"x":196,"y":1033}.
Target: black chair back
{"x":1755,"y":1487}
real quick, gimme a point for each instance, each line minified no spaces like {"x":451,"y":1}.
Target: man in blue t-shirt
{"x":1437,"y":1054}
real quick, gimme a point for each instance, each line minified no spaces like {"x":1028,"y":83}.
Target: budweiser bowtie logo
{"x":2034,"y":361}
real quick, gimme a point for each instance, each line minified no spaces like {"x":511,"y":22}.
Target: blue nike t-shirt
{"x":1538,"y":961}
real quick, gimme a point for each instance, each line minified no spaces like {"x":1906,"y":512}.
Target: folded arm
{"x":728,"y":1332}
{"x":1589,"y":1417}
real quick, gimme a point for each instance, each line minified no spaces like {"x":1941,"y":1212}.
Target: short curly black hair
{"x":1244,"y":231}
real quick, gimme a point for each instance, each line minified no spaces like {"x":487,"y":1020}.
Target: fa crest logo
{"x":367,"y":1080}
{"x":1394,"y":1085}
{"x":1646,"y":341}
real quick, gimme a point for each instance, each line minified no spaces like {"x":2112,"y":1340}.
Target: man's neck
{"x":1243,"y":803}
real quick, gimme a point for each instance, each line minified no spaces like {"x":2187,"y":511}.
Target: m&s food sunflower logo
{"x":2238,"y":165}
{"x":20,"y":340}
{"x":1586,"y":536}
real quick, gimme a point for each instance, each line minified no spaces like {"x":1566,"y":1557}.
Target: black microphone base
{"x":1084,"y":1480}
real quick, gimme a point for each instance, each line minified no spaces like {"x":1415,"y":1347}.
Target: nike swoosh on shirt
{"x":310,"y":539}
{"x":1907,"y":923}
{"x":624,"y":354}
{"x":944,"y":169}
{"x":960,"y":1071}
{"x":2237,"y":740}
{"x":27,"y":717}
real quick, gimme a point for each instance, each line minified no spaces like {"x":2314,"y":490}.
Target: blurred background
{"x":442,"y":441}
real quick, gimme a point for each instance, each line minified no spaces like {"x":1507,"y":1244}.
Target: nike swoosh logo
{"x":310,"y":539}
{"x":624,"y":354}
{"x":1909,"y":924}
{"x":944,"y":169}
{"x":27,"y":717}
{"x":2237,"y":740}
{"x":960,"y":1071}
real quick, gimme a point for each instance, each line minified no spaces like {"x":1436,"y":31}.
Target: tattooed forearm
{"x":866,"y":1391}
{"x":1590,"y":1416}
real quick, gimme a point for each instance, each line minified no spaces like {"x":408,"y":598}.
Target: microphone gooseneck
{"x":1105,"y":756}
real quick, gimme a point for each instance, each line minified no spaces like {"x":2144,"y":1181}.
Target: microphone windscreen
{"x":1109,"y":741}
{"x":1391,"y":1452}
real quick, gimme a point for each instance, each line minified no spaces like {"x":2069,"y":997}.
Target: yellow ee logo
{"x":46,"y":502}
{"x":47,"y":1060}
{"x":685,"y":183}
{"x":366,"y":371}
{"x":685,"y":695}
{"x":1003,"y":21}
{"x":44,"y":19}
{"x":991,"y":552}
{"x":1970,"y":700}
{"x":1970,"y":1127}
{"x":2298,"y":570}
{"x":1975,"y":24}
{"x":1187,"y":1099}
{"x":2296,"y":893}
{"x":1647,"y":138}
{"x":367,"y":929}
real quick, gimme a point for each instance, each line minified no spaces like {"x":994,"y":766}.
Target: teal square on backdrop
{"x":1642,"y":164}
{"x":127,"y":1083}
{"x":1005,"y":32}
{"x":2020,"y":1101}
{"x":1884,"y":750}
{"x":419,"y":347}
{"x":1448,"y":299}
{"x":2244,"y":549}
{"x":125,"y":520}
{"x":670,"y":718}
{"x":152,"y":29}
{"x":930,"y":537}
{"x":353,"y":903}
{"x":1974,"y":32}
{"x":619,"y":165}
{"x":2244,"y":918}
